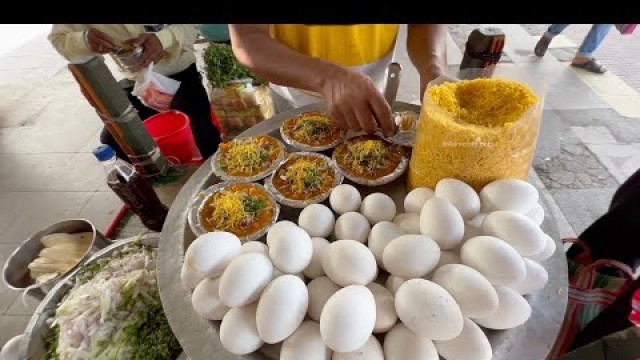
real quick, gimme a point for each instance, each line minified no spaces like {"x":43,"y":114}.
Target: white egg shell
{"x":508,"y":194}
{"x":498,"y":261}
{"x":352,"y":226}
{"x":471,"y":344}
{"x":320,"y":290}
{"x":238,"y":332}
{"x":411,"y":256}
{"x":378,"y":207}
{"x":402,"y":344}
{"x":440,"y":221}
{"x":535,"y":280}
{"x":314,"y":269}
{"x":348,"y":318}
{"x":547,"y":252}
{"x":516,"y":229}
{"x":189,"y":278}
{"x":345,"y":198}
{"x":386,"y":316}
{"x":206,"y":301}
{"x":477,"y":220}
{"x":371,"y":350}
{"x":380,"y":236}
{"x":210,"y":253}
{"x":244,"y":279}
{"x":277,"y":273}
{"x":317,"y":220}
{"x":461,"y":195}
{"x":305,"y":343}
{"x":446,"y":257}
{"x":255,"y":246}
{"x":291,"y":251}
{"x":11,"y":350}
{"x":428,"y":310}
{"x":279,"y":230}
{"x":513,"y":310}
{"x":473,"y":292}
{"x":415,"y":199}
{"x":348,"y":262}
{"x":393,"y":283}
{"x":470,"y":231}
{"x":536,"y":214}
{"x":408,"y":222}
{"x":281,"y":308}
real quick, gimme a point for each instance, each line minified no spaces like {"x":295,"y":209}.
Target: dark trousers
{"x":191,"y":98}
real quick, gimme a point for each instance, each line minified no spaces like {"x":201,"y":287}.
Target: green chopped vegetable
{"x":221,"y":66}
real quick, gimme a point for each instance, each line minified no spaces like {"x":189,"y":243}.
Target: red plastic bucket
{"x":172,"y":133}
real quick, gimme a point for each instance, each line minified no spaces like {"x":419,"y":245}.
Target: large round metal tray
{"x":199,"y":338}
{"x":33,"y":343}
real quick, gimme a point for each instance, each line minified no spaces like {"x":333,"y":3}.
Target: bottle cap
{"x":104,"y":152}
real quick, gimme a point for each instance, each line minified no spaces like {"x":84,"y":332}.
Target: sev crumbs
{"x":477,"y":131}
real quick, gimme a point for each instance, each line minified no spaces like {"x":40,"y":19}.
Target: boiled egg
{"x":345,"y":198}
{"x":255,"y":246}
{"x":352,"y":226}
{"x":415,"y":199}
{"x":238,"y":331}
{"x":461,"y":195}
{"x":320,"y":290}
{"x":508,"y":194}
{"x":428,"y":310}
{"x":371,"y":350}
{"x":244,"y":279}
{"x":440,"y":221}
{"x":411,"y":256}
{"x":473,"y":292}
{"x":471,"y":344}
{"x":209,"y":254}
{"x":291,"y":249}
{"x":513,"y":310}
{"x":535,"y":280}
{"x":348,"y":319}
{"x":317,"y":220}
{"x":498,"y":261}
{"x":378,"y":207}
{"x":206,"y":300}
{"x":386,"y":316}
{"x":408,"y":222}
{"x":380,"y":236}
{"x":314,"y":269}
{"x":516,"y":229}
{"x":349,"y":262}
{"x":305,"y":343}
{"x":402,"y":344}
{"x":281,"y":308}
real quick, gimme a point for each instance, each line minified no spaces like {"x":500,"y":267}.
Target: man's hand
{"x":99,"y":42}
{"x":151,"y":49}
{"x":354,"y":102}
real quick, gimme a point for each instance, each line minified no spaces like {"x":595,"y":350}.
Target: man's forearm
{"x":276,"y":62}
{"x":427,"y":48}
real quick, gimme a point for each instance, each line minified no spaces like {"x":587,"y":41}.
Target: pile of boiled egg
{"x":453,"y":263}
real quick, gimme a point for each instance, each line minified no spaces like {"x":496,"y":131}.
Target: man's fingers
{"x":364,"y":116}
{"x":382,"y":113}
{"x":102,"y":41}
{"x":352,"y":118}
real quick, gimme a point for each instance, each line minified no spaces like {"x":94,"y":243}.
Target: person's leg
{"x":584,"y":58}
{"x":543,"y":44}
{"x":192,"y":99}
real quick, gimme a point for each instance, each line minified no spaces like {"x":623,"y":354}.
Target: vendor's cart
{"x":200,"y":340}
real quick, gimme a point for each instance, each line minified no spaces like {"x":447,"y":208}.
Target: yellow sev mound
{"x":475,"y":130}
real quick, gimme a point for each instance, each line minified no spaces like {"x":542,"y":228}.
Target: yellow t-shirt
{"x":365,"y":47}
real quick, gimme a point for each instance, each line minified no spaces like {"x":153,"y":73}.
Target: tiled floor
{"x":47,"y":131}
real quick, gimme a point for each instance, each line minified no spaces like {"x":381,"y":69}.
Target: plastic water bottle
{"x":132,"y":188}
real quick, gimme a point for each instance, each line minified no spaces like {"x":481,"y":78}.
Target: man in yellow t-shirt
{"x":169,"y":47}
{"x":343,"y":64}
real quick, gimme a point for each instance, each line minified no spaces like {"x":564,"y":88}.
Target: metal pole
{"x":120,"y":117}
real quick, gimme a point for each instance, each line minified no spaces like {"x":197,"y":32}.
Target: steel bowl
{"x":34,"y":341}
{"x":128,"y":59}
{"x":16,"y":272}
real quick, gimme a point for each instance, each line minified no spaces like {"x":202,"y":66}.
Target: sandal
{"x":592,"y":66}
{"x":542,"y":46}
